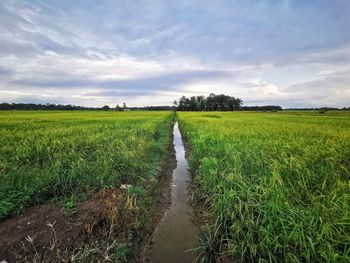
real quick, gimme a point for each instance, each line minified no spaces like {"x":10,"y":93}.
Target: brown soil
{"x":47,"y":233}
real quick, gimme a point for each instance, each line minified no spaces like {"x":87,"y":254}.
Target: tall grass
{"x":277,"y":185}
{"x":45,"y":155}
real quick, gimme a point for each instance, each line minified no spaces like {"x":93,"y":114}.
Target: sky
{"x":293,"y":53}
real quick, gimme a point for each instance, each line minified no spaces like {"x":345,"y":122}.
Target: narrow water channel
{"x":176,"y":233}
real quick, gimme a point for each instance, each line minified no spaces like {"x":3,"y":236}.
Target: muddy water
{"x":176,"y":233}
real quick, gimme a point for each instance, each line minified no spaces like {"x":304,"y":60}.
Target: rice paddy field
{"x":66,"y":155}
{"x":276,"y":185}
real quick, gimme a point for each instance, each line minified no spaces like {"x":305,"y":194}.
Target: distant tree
{"x":201,"y":105}
{"x":211,"y":103}
{"x":193,"y":104}
{"x":106,"y":108}
{"x":124,"y":105}
{"x":182,"y":105}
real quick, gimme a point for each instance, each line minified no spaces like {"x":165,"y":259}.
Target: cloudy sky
{"x":293,"y":53}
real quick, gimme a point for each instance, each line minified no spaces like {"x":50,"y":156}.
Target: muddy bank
{"x":46,"y":233}
{"x":176,"y":234}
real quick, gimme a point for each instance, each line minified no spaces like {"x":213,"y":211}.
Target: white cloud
{"x":95,"y":53}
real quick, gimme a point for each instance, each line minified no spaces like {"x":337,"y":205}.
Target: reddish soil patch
{"x":46,"y":233}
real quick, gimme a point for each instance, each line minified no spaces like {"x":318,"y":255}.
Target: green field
{"x":65,"y":156}
{"x":277,"y":185}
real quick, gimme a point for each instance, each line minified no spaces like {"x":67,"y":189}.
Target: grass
{"x":277,"y":185}
{"x":65,"y":156}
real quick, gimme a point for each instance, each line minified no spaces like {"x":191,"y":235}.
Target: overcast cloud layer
{"x":293,"y":53}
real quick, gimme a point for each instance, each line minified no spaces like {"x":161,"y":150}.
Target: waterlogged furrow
{"x":176,"y":236}
{"x":276,"y":184}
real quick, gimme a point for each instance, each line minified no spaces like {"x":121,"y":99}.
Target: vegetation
{"x":49,"y":106}
{"x":276,"y":184}
{"x":262,"y":108}
{"x":196,"y":103}
{"x":62,"y":155}
{"x":211,"y":103}
{"x":320,"y":109}
{"x":218,"y":103}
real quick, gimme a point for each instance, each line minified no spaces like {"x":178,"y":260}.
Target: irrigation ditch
{"x":175,"y":237}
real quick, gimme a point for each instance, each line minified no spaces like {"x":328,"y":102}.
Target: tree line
{"x":210,"y":103}
{"x":48,"y":106}
{"x":320,"y":109}
{"x":262,"y":108}
{"x":196,"y":103}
